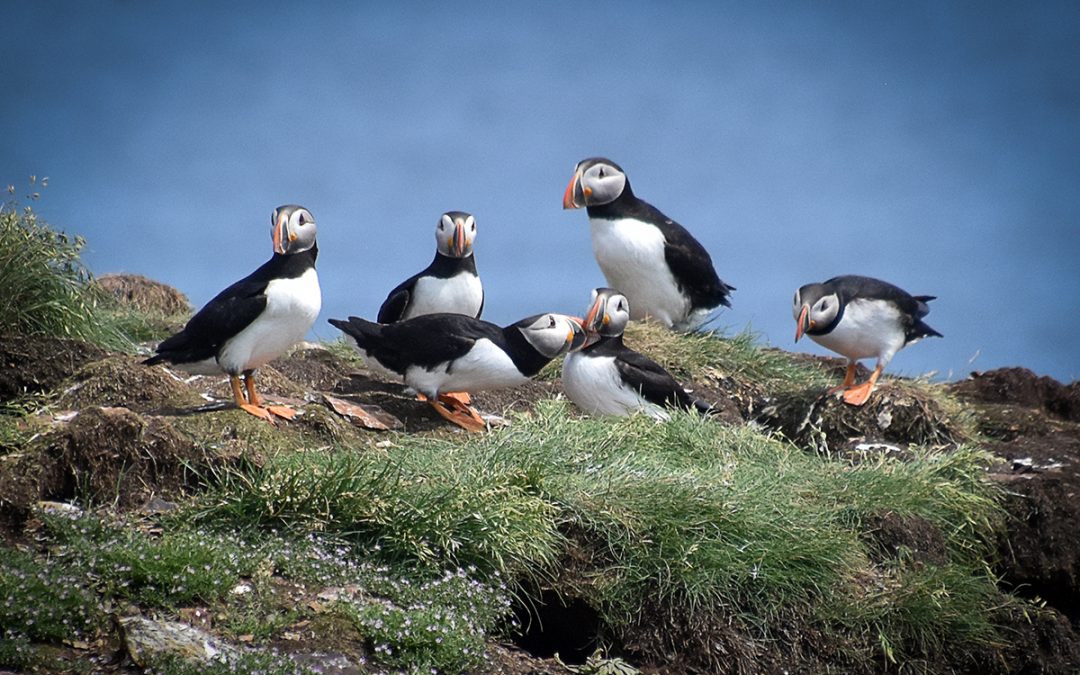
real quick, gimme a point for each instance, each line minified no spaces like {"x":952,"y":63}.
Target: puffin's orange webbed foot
{"x":258,"y":411}
{"x":282,"y":411}
{"x":453,"y":410}
{"x":858,"y":395}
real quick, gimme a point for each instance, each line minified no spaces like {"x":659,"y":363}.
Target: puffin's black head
{"x":815,"y":308}
{"x":292,"y":228}
{"x":608,"y":313}
{"x":596,"y":181}
{"x":454,"y":234}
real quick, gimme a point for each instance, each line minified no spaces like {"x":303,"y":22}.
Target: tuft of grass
{"x":47,"y":288}
{"x":705,"y":355}
{"x":426,"y":502}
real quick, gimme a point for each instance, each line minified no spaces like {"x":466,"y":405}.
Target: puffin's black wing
{"x":393,"y":308}
{"x":228,"y":313}
{"x":643,"y":374}
{"x":424,"y":341}
{"x":651,"y":380}
{"x":690,"y":263}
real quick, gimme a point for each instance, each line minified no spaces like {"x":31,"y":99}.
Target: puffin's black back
{"x":424,"y":341}
{"x":912,"y":307}
{"x":433,"y":339}
{"x":690,"y":263}
{"x":231,"y":310}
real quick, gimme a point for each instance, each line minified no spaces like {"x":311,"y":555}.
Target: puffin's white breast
{"x":459,"y":294}
{"x":631,"y":256}
{"x":869,"y":328}
{"x":291,"y":308}
{"x":483,"y":367}
{"x":594,"y":384}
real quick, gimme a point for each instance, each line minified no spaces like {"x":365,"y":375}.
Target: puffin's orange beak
{"x":803,"y":323}
{"x":279,"y":235}
{"x":579,"y":337}
{"x":590,"y":316}
{"x":570,"y":198}
{"x":459,"y":238}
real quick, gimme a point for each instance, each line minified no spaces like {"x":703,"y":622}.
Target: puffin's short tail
{"x":361,"y":330}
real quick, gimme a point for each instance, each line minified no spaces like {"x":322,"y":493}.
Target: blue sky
{"x":935,"y":145}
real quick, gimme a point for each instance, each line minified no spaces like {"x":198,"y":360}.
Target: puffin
{"x":608,"y":378}
{"x":660,"y":267}
{"x":256,"y":319}
{"x":860,"y":317}
{"x":449,"y":284}
{"x":438,"y":354}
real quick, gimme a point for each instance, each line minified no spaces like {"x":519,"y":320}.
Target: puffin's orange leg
{"x":242,"y":403}
{"x":860,"y":394}
{"x":459,"y":413}
{"x":283,"y":411}
{"x":849,"y":379}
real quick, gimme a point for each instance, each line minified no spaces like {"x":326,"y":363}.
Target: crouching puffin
{"x":256,"y":319}
{"x":654,"y":261}
{"x":449,"y":284}
{"x":860,"y":317}
{"x":440,"y":353}
{"x":609,"y":378}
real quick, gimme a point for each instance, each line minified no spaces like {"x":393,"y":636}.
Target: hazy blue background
{"x":932,"y":144}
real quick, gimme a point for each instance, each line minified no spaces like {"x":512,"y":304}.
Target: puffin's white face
{"x":596,"y":181}
{"x":553,"y":334}
{"x":292,"y":228}
{"x":608,"y":313}
{"x":455,"y":233}
{"x":812,"y":310}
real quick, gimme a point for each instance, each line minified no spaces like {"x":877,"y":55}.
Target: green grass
{"x":709,"y":355}
{"x":48,"y":291}
{"x":698,"y":519}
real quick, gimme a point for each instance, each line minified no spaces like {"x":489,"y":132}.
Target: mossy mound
{"x":899,"y":412}
{"x":122,"y":381}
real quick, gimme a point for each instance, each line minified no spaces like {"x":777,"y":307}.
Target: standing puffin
{"x":656,"y":262}
{"x":859,"y":317}
{"x":256,"y":319}
{"x":440,"y":353}
{"x":449,"y":284}
{"x":609,"y":378}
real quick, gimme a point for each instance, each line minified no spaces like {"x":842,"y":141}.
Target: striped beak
{"x":803,"y":323}
{"x":458,"y":248}
{"x":574,"y":197}
{"x":579,"y":337}
{"x":279,"y":233}
{"x":596,"y":318}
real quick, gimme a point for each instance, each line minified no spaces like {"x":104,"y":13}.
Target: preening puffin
{"x":449,"y":284}
{"x":654,"y":261}
{"x":440,"y":353}
{"x":256,"y":319}
{"x":609,"y":378}
{"x":860,"y":317}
